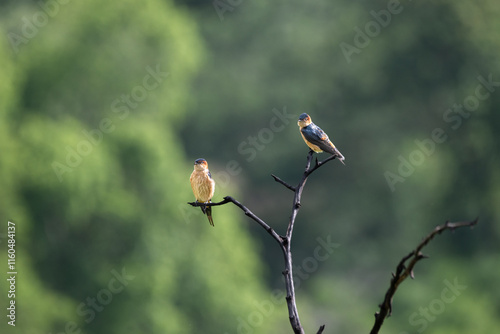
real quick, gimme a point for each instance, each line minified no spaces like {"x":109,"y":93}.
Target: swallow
{"x":317,"y":139}
{"x":203,"y":186}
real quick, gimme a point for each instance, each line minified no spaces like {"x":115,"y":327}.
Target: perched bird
{"x":316,"y":138}
{"x":203,"y":186}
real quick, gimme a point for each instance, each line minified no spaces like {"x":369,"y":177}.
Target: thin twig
{"x":225,"y":201}
{"x":229,"y":199}
{"x":404,"y":270}
{"x":319,"y":164}
{"x":277,"y":179}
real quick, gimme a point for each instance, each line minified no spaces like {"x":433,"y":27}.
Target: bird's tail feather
{"x":207,"y":210}
{"x":209,"y":215}
{"x":339,"y":156}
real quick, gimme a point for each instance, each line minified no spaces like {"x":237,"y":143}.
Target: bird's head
{"x":200,"y":164}
{"x":304,"y":120}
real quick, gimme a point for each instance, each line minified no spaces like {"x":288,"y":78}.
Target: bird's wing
{"x":316,"y":136}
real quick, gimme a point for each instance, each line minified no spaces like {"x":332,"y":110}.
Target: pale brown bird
{"x":203,"y":186}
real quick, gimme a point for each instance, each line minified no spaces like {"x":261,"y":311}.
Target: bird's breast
{"x":313,"y":147}
{"x":203,"y":186}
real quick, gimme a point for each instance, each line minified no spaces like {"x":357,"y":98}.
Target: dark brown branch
{"x":283,"y":241}
{"x":229,"y":199}
{"x":319,"y":164}
{"x":288,"y":273}
{"x":277,"y":179}
{"x":404,"y":270}
{"x":225,"y":201}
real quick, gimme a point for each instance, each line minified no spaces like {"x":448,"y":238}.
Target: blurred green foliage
{"x":104,"y":107}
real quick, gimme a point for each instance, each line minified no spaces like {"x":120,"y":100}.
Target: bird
{"x":317,"y":139}
{"x":203,"y":186}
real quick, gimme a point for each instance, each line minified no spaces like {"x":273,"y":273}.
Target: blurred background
{"x":104,"y":107}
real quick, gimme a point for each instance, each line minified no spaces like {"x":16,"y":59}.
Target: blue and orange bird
{"x":203,"y":186}
{"x":317,"y":139}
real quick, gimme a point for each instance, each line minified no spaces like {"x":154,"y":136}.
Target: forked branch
{"x":283,"y":241}
{"x":405,"y":269}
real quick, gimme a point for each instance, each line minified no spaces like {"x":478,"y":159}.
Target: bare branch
{"x":288,"y":273}
{"x":283,"y":241}
{"x":319,"y":164}
{"x":404,"y":270}
{"x":229,"y":199}
{"x":225,"y":201}
{"x":277,"y":179}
